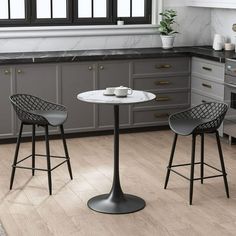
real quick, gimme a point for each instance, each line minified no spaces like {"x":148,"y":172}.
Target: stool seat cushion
{"x":186,"y":126}
{"x":53,"y":117}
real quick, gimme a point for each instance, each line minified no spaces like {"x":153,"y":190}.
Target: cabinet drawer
{"x":162,"y":66}
{"x":197,"y":99}
{"x":176,"y":82}
{"x":153,"y":116}
{"x":209,"y":87}
{"x":208,"y":69}
{"x":168,"y":99}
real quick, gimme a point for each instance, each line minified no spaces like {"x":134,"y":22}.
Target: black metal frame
{"x":72,"y":16}
{"x":33,"y":155}
{"x":193,"y":163}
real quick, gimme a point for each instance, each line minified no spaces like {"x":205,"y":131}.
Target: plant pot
{"x":167,"y":41}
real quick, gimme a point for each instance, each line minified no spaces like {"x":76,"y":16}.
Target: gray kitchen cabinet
{"x":169,"y":79}
{"x":113,"y":74}
{"x":207,"y":78}
{"x":40,"y":80}
{"x":61,"y":82}
{"x":6,"y":88}
{"x":77,"y":78}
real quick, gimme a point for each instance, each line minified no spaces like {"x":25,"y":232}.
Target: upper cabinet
{"x":230,"y":4}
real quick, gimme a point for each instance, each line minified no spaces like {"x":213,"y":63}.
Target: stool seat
{"x":186,"y":126}
{"x":53,"y":117}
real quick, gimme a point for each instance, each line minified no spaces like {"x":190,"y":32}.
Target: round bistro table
{"x":116,"y":202}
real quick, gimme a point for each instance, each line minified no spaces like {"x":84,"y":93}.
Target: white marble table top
{"x":97,"y":96}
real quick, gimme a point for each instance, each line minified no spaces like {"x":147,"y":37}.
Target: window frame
{"x":72,"y":16}
{"x":135,"y":20}
{"x":50,"y":21}
{"x":17,"y":22}
{"x":93,"y":21}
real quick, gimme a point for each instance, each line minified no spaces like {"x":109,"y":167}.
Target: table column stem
{"x":116,"y":193}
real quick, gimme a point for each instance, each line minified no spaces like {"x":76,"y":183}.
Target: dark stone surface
{"x":205,"y":52}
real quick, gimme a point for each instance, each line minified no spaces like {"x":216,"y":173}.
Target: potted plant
{"x":166,"y":30}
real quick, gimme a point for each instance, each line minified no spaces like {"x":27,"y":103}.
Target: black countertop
{"x":205,"y":52}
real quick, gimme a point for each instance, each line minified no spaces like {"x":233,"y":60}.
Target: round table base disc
{"x":128,"y":204}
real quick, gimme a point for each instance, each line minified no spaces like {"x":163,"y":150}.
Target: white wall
{"x":222,"y":21}
{"x":194,"y":28}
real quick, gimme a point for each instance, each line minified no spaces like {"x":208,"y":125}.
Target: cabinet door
{"x":40,"y":80}
{"x":113,"y":74}
{"x":77,"y":78}
{"x":6,"y":117}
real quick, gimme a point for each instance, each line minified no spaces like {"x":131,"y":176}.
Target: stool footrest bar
{"x":186,"y":164}
{"x":206,"y":177}
{"x":40,"y":169}
{"x":24,"y":159}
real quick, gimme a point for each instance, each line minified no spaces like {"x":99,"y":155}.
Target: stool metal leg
{"x":222,"y":164}
{"x":33,"y":149}
{"x":171,"y":160}
{"x":66,"y":151}
{"x":48,"y":160}
{"x":192,"y":169}
{"x":202,"y":158}
{"x":16,"y":155}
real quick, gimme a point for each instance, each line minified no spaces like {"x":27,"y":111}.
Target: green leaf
{"x":168,"y":19}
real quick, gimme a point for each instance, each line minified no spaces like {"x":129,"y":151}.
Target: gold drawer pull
{"x":162,"y":82}
{"x":162,"y":99}
{"x":90,"y":68}
{"x":206,"y":68}
{"x":7,"y":72}
{"x":163,"y":66}
{"x":206,"y":85}
{"x":162,"y":115}
{"x":19,"y":71}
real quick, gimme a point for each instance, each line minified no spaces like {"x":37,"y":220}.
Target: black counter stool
{"x":34,"y":111}
{"x":204,"y":118}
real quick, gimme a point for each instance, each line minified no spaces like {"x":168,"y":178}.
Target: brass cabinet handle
{"x":19,"y":71}
{"x":101,"y":67}
{"x":162,"y":82}
{"x":206,"y":85}
{"x":163,"y":66}
{"x":7,"y":72}
{"x":162,"y":99}
{"x":162,"y":115}
{"x":206,"y":68}
{"x":90,"y":68}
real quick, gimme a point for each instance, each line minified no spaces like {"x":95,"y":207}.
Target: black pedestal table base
{"x":116,"y":202}
{"x":127,"y":204}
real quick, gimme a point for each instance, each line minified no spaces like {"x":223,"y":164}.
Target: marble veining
{"x":97,"y":96}
{"x":222,"y":21}
{"x":194,"y":28}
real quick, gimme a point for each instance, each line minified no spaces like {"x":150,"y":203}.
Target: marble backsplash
{"x":221,"y":22}
{"x":194,"y":27}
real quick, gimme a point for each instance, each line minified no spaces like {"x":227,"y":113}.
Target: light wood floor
{"x":28,"y":209}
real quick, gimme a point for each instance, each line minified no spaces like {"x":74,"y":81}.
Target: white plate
{"x":108,"y":94}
